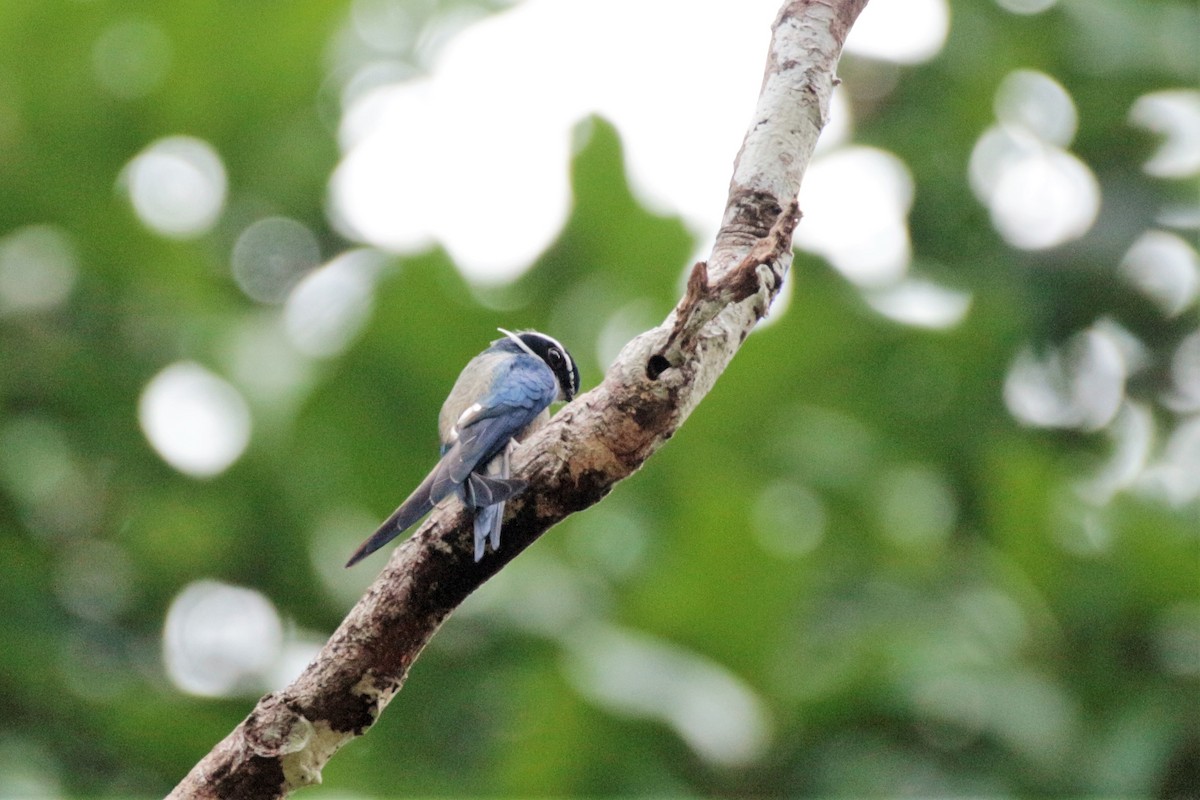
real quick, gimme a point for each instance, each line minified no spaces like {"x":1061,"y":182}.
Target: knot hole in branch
{"x":657,"y":365}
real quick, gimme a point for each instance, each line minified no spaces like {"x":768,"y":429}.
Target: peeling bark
{"x":599,"y":439}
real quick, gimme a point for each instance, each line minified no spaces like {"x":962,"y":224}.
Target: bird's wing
{"x":418,"y":504}
{"x":516,"y":399}
{"x":518,"y":395}
{"x":485,"y":491}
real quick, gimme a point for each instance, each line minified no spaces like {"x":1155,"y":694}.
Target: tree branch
{"x":596,"y":441}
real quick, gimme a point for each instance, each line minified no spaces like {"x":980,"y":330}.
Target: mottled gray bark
{"x":594,"y":442}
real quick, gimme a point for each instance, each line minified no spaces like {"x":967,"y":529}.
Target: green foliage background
{"x":1058,"y":649}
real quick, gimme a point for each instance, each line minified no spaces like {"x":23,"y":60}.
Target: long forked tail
{"x":479,"y":493}
{"x":481,"y":490}
{"x":487,"y":526}
{"x":487,"y":495}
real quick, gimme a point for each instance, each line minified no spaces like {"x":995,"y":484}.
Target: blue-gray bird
{"x":500,"y":397}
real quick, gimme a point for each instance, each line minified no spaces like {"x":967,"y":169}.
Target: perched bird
{"x":501,"y":396}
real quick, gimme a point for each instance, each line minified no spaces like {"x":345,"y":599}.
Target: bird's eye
{"x":555,"y":357}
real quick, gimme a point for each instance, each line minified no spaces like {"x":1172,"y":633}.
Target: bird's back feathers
{"x":477,"y":425}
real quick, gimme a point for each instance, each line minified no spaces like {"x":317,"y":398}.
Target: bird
{"x":501,"y":396}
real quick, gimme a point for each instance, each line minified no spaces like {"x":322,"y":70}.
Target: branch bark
{"x":599,"y":439}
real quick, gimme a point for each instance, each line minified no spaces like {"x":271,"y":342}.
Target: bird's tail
{"x":487,"y":496}
{"x":487,"y":525}
{"x":478,"y":492}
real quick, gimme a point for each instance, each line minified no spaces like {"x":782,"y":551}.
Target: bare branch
{"x":596,"y":441}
